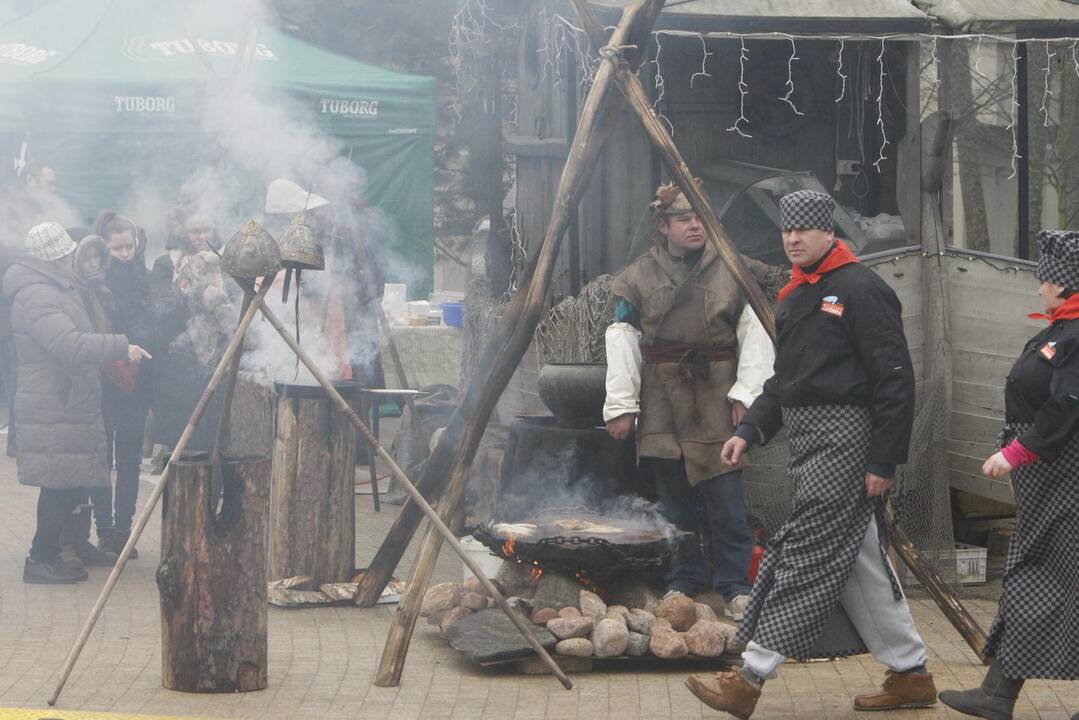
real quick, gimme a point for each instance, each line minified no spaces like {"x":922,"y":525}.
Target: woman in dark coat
{"x":126,"y":386}
{"x":1036,"y":631}
{"x":179,"y":302}
{"x":61,"y":433}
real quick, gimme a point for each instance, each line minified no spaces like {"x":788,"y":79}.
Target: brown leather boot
{"x":900,"y":690}
{"x":725,"y":691}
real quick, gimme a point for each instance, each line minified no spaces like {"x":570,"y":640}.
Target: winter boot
{"x":92,"y":556}
{"x":911,"y":689}
{"x":994,"y":700}
{"x":114,"y":540}
{"x":726,"y":691}
{"x":39,"y":572}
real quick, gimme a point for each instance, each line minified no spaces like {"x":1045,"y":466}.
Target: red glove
{"x":123,"y":374}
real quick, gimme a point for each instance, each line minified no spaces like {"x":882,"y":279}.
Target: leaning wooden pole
{"x":233,"y":348}
{"x":637,"y":97}
{"x":399,"y":474}
{"x":575,"y":175}
{"x":454,"y":453}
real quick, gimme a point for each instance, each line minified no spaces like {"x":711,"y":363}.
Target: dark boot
{"x":114,"y":540}
{"x":994,"y":700}
{"x":92,"y":556}
{"x":39,"y":572}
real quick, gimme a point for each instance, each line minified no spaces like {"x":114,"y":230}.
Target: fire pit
{"x":577,"y":542}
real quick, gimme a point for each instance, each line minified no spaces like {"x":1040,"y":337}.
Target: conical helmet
{"x":299,"y":248}
{"x":251,"y":253}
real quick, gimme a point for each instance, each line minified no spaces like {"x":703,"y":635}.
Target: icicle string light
{"x":1015,"y":108}
{"x":880,"y":111}
{"x":790,"y":79}
{"x":1044,"y":109}
{"x":661,"y":88}
{"x":703,"y":72}
{"x":743,"y":90}
{"x":839,"y":71}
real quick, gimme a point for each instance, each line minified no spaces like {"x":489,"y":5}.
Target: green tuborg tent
{"x":85,"y":82}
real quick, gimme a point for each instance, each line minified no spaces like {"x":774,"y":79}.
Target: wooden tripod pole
{"x":219,"y":373}
{"x":427,"y":510}
{"x":592,"y":131}
{"x":509,"y":341}
{"x":637,"y":97}
{"x":226,"y":404}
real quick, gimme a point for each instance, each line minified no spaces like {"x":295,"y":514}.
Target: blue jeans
{"x":724,"y":511}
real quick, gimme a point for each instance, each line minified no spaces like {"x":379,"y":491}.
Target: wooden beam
{"x":593,"y":129}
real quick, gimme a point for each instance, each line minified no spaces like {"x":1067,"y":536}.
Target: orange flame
{"x":509,"y":548}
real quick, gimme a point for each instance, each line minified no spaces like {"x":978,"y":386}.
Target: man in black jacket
{"x":844,"y":387}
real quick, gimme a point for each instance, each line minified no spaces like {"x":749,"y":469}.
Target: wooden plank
{"x":976,"y":428}
{"x":971,"y":448}
{"x":977,"y":398}
{"x":981,"y":486}
{"x":966,"y":463}
{"x":524,"y":146}
{"x":979,"y":367}
{"x":995,"y":335}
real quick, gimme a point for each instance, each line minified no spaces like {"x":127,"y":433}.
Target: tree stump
{"x":212,"y":577}
{"x":312,"y":507}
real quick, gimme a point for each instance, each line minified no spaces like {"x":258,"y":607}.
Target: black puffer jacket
{"x":58,"y":402}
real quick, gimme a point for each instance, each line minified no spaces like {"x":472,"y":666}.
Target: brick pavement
{"x":322,"y":660}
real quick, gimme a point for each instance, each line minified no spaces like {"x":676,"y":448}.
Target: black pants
{"x":126,"y":448}
{"x":54,"y":509}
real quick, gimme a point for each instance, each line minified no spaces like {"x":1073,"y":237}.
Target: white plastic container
{"x":418,"y":312}
{"x":394,"y":302}
{"x":483,"y":557}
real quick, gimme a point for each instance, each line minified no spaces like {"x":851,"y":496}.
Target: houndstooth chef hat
{"x":1059,"y":262}
{"x":807,"y":209}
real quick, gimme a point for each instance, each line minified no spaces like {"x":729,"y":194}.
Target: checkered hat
{"x":807,"y":209}
{"x":1059,"y":262}
{"x":49,"y":241}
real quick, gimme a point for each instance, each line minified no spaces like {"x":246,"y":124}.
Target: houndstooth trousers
{"x":810,"y":558}
{"x":1036,"y":630}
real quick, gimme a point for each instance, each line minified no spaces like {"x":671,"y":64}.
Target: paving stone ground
{"x":322,"y":661}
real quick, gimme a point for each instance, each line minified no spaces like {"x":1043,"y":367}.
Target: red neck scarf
{"x":839,"y":256}
{"x":1068,"y":311}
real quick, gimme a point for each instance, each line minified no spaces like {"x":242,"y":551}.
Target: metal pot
{"x":251,"y":253}
{"x":574,"y":392}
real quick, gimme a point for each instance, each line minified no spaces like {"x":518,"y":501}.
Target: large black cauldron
{"x":574,"y":392}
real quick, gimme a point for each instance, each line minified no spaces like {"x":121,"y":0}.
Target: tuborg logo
{"x":350,"y":108}
{"x":148,"y":104}
{"x":187,"y":46}
{"x":22,"y":54}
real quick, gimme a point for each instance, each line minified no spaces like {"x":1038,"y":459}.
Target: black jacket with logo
{"x":840,"y":342}
{"x":1043,"y":388}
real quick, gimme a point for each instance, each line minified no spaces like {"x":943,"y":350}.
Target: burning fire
{"x":509,"y":551}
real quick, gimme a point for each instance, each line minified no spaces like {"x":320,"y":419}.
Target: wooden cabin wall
{"x":903,"y":273}
{"x":989,"y":328}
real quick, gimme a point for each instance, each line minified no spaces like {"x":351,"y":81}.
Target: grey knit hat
{"x":49,"y":241}
{"x":807,"y":209}
{"x":1059,"y":262}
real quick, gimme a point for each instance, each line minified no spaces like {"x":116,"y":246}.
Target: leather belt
{"x":692,"y":360}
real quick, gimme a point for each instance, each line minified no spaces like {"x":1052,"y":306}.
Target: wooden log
{"x":212,"y":578}
{"x":155,"y":496}
{"x":454,"y":453}
{"x":313,"y":509}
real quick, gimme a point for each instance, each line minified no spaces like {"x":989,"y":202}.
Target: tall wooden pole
{"x":583,"y":155}
{"x":453,"y":455}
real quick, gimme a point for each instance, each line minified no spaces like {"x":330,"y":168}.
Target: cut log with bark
{"x":313,"y":511}
{"x":212,"y":578}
